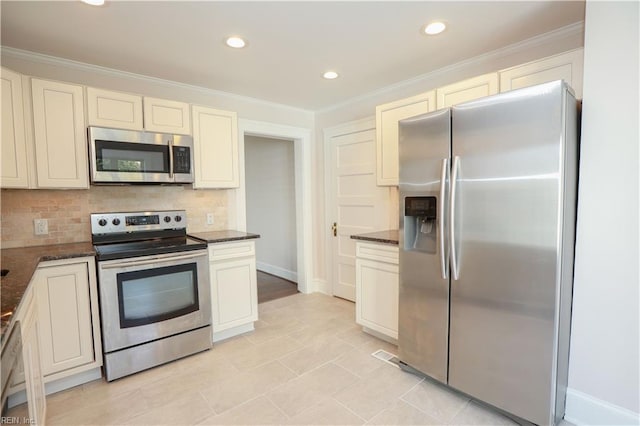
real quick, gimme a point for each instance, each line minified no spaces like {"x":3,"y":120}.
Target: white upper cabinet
{"x":107,"y":108}
{"x":387,"y":118}
{"x":59,"y":135}
{"x":566,"y":66}
{"x":215,"y":148}
{"x":114,"y":109}
{"x":467,"y":90}
{"x":165,"y":116}
{"x":13,"y":142}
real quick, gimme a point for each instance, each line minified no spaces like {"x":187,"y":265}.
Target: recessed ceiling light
{"x":330,"y":75}
{"x":235,"y":42}
{"x":94,"y":2}
{"x":434,"y":28}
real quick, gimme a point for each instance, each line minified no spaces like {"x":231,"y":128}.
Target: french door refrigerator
{"x":487,"y":221}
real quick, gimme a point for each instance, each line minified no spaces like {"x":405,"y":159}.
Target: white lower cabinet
{"x":234,"y":289}
{"x":377,"y":288}
{"x":29,"y":377}
{"x":70,"y":329}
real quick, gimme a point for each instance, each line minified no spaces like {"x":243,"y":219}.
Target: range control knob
{"x":167,"y":219}
{"x":116,"y":221}
{"x":178,"y":218}
{"x":102,"y":222}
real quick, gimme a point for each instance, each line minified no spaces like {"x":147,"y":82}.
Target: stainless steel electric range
{"x":154,"y":289}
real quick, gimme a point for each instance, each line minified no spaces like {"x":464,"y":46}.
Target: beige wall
{"x":68,"y":211}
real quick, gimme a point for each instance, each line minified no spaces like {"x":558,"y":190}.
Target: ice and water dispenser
{"x":420,"y":224}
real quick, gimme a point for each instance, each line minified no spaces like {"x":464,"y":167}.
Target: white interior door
{"x":357,"y":204}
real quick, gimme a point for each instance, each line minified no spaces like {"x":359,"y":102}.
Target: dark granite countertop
{"x":223,"y":236}
{"x":21,"y":264}
{"x":386,"y":237}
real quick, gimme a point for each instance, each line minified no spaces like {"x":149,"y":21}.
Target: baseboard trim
{"x":73,"y":381}
{"x":231,"y":332}
{"x":583,"y":409}
{"x":321,"y":286}
{"x":277,"y":271}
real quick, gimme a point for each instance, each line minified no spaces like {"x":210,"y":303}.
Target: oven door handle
{"x":149,"y":261}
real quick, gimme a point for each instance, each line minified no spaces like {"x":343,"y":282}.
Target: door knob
{"x":334,"y":228}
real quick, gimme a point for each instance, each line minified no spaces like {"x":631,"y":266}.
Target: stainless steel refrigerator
{"x":487,"y":221}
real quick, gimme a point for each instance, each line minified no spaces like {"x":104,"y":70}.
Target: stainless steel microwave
{"x":128,"y":157}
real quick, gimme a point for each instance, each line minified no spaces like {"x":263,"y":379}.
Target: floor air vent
{"x":386,"y":357}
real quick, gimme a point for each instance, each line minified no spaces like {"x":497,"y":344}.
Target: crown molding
{"x":539,"y":40}
{"x":542,"y":39}
{"x":110,"y":72}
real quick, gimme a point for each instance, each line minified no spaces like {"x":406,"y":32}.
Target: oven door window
{"x":131,"y":157}
{"x":159,"y":294}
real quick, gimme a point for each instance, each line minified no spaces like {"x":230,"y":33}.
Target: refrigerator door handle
{"x":452,"y":217}
{"x":443,"y":186}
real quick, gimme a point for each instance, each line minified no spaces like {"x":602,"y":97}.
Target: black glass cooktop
{"x":122,"y":250}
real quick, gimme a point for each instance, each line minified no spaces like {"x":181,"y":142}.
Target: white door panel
{"x":357,"y":204}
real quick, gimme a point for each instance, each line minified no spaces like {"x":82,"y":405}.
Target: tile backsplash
{"x":67,"y":211}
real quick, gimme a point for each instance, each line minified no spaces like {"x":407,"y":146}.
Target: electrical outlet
{"x":41,"y":226}
{"x":209,"y":218}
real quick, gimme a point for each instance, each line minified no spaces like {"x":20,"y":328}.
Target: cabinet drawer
{"x":219,"y":251}
{"x":379,"y":252}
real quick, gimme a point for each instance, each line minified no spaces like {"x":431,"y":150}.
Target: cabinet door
{"x":234,"y":293}
{"x":467,"y":90}
{"x":377,"y":287}
{"x":30,"y":378}
{"x":165,"y":116}
{"x":67,"y":335}
{"x":387,"y":118}
{"x":566,"y":66}
{"x":215,"y":148}
{"x":114,"y":109}
{"x":60,"y":135}
{"x":34,"y":382}
{"x":13,"y":142}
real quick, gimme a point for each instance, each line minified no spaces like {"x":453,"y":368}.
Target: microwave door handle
{"x":171,"y":159}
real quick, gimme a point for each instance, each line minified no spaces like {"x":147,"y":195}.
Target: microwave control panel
{"x":181,"y":159}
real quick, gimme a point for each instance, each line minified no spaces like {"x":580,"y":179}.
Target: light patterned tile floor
{"x":307,"y":362}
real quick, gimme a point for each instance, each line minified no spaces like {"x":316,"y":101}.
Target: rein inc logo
{"x":16,"y":420}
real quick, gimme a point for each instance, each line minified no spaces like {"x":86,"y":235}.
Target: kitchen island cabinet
{"x":234,"y":287}
{"x":377,"y":284}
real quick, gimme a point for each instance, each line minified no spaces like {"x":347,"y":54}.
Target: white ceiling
{"x":290,"y":44}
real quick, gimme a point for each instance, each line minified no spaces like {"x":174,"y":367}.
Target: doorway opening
{"x":302,"y":147}
{"x":271,"y":212}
